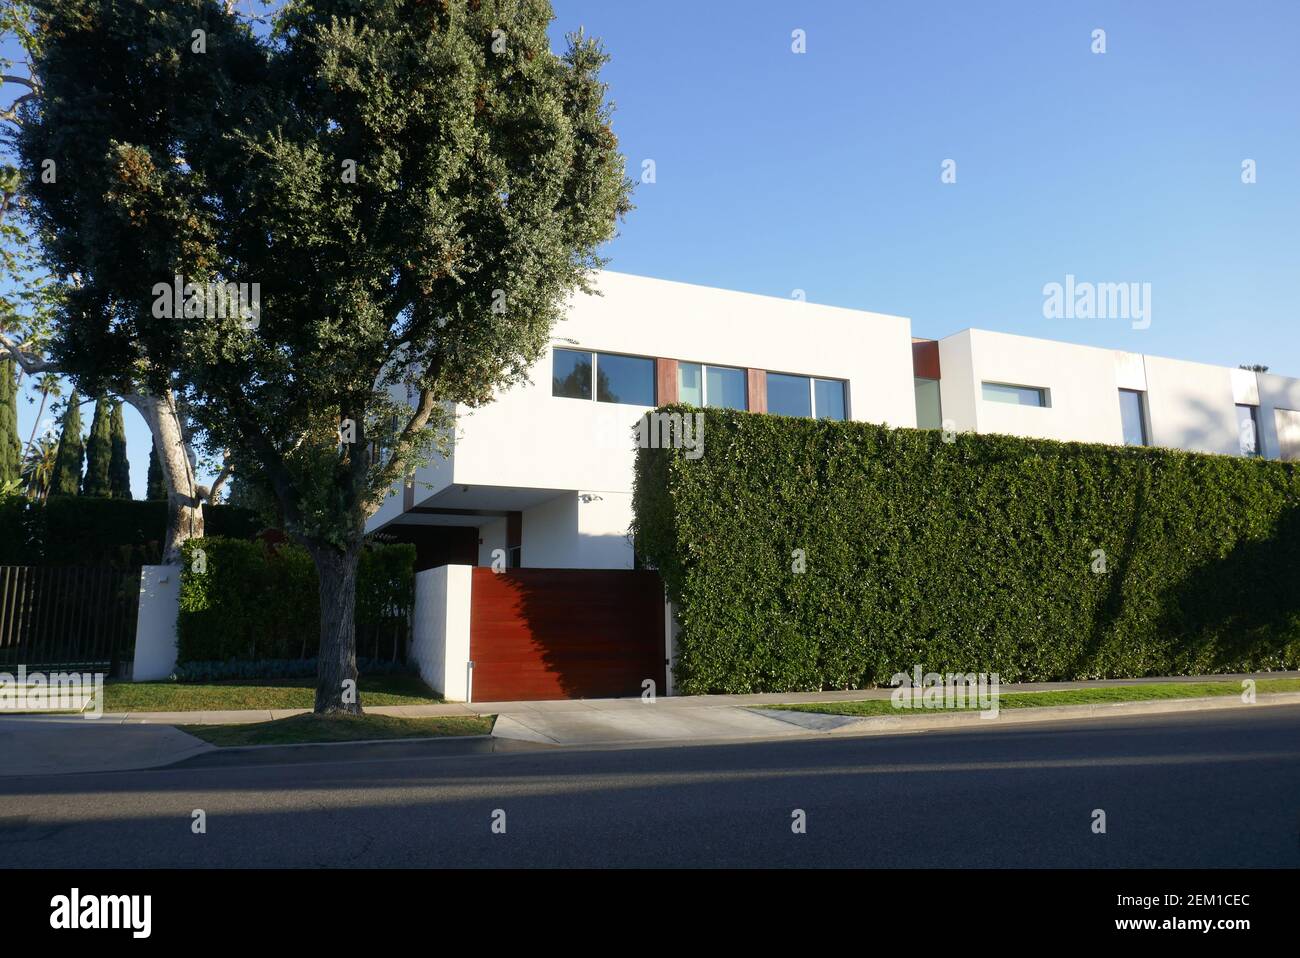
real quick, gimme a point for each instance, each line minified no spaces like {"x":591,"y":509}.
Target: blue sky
{"x":820,"y":171}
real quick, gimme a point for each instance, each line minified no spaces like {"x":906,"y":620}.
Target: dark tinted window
{"x":625,"y":379}
{"x":829,"y":397}
{"x":724,"y":388}
{"x":788,"y":395}
{"x":571,"y":374}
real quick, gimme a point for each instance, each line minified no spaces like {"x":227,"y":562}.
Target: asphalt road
{"x":1209,"y":789}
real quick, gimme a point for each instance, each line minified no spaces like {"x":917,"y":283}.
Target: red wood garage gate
{"x":565,"y":633}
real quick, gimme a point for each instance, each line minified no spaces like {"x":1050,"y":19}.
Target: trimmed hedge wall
{"x":84,"y":530}
{"x":254,"y":602}
{"x":964,"y":556}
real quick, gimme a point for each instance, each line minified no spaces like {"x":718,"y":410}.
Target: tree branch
{"x":209,"y":493}
{"x":30,"y":362}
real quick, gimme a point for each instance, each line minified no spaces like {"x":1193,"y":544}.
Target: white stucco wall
{"x":603,"y":522}
{"x":958,"y":390}
{"x":440,"y":629}
{"x":1191,"y":406}
{"x":1080,"y":380}
{"x":1275,"y":393}
{"x":492,"y":535}
{"x":527,"y":437}
{"x":550,"y":534}
{"x":578,"y":454}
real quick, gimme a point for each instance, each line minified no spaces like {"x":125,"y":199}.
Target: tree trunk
{"x":336,"y":670}
{"x":184,"y":504}
{"x":31,"y":440}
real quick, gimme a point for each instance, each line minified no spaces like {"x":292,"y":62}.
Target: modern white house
{"x":544,"y":473}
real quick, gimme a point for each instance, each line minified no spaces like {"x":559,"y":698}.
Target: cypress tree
{"x":155,"y":486}
{"x":67,"y":466}
{"x":11,"y":449}
{"x":119,"y":467}
{"x":99,"y":452}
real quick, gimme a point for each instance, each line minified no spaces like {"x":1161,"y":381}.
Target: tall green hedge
{"x":81,"y":530}
{"x":972,"y":555}
{"x":251,"y":601}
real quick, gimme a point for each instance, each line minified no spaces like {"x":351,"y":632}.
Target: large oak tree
{"x":416,"y":186}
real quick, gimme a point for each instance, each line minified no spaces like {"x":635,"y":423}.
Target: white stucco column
{"x":155,"y":627}
{"x":440,"y":630}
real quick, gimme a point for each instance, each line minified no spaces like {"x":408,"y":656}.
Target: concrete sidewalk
{"x":45,"y":744}
{"x":36,"y":744}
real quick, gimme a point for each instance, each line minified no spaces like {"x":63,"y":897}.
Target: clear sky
{"x":820,"y":171}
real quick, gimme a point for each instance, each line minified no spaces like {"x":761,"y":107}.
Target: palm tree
{"x":38,"y":466}
{"x":47,"y":386}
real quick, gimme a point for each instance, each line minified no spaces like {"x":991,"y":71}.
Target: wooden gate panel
{"x":565,"y":633}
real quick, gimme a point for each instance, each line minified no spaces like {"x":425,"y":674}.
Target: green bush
{"x":965,"y":556}
{"x":253,"y":602}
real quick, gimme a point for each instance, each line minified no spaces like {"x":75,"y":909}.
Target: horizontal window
{"x":618,"y":379}
{"x":804,"y":396}
{"x":1015,"y":395}
{"x":625,"y":379}
{"x":721,"y":387}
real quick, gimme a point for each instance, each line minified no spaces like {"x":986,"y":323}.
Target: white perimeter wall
{"x":440,"y":629}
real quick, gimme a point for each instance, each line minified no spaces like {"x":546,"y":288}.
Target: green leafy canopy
{"x":416,"y":187}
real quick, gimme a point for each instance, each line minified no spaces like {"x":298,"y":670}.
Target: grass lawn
{"x":340,"y":728}
{"x":256,"y":694}
{"x":1021,"y":700}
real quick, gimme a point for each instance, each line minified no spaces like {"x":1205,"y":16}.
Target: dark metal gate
{"x":67,"y":617}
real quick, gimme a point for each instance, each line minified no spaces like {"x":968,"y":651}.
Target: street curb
{"x":896,"y":724}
